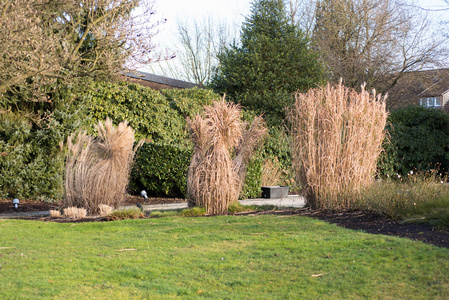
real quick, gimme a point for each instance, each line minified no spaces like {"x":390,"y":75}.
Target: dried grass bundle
{"x":337,"y":137}
{"x":214,"y":180}
{"x":251,"y":138}
{"x":97,"y":169}
{"x":271,"y":173}
{"x":55,"y":213}
{"x":75,"y":212}
{"x":105,"y":210}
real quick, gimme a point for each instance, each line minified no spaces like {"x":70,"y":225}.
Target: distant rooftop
{"x":160,"y":81}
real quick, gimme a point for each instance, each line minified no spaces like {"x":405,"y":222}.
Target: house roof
{"x":161,"y":80}
{"x":419,"y":84}
{"x":438,"y":83}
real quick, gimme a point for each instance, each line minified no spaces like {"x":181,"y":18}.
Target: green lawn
{"x":227,"y":257}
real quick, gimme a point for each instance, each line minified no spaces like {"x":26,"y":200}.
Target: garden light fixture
{"x":16,"y":203}
{"x":144,"y":194}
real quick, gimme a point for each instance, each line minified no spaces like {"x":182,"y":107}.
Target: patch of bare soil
{"x":351,"y":219}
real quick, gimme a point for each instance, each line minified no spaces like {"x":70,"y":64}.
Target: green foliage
{"x":161,"y":170}
{"x":252,"y":186}
{"x":31,"y":159}
{"x":189,"y":102}
{"x":147,"y":111}
{"x":419,"y":140}
{"x":272,"y":61}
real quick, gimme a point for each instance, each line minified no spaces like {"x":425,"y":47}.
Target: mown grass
{"x":226,"y":257}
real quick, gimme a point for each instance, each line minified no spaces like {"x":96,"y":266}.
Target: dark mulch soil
{"x":353,"y":220}
{"x":376,"y":224}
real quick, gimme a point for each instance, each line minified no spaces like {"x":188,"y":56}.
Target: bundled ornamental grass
{"x":271,"y":173}
{"x":215,"y":178}
{"x":337,"y":137}
{"x":75,"y":212}
{"x":97,"y":169}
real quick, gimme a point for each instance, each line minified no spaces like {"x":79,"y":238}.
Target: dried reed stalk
{"x":97,"y":169}
{"x":251,"y":138}
{"x":214,"y":180}
{"x":271,"y":173}
{"x":337,"y":137}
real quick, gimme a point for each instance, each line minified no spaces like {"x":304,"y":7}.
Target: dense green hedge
{"x":418,"y":141}
{"x":161,"y":170}
{"x":147,"y":111}
{"x":189,"y":102}
{"x":31,"y":136}
{"x":27,"y":168}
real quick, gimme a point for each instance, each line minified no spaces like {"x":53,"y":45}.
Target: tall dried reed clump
{"x":337,"y":136}
{"x":215,"y":178}
{"x":271,"y":173}
{"x":97,"y":169}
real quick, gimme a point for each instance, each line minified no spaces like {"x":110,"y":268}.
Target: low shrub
{"x":277,"y":149}
{"x":189,"y":102}
{"x":237,"y":207}
{"x":418,"y":140}
{"x":31,"y":159}
{"x":252,"y":186}
{"x":146,"y":110}
{"x":31,"y":133}
{"x":133,"y":213}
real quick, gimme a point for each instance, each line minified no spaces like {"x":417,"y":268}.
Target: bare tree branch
{"x":50,"y":39}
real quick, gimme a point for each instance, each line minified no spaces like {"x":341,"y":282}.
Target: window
{"x":430,"y":102}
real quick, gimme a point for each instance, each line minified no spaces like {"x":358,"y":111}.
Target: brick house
{"x":429,"y":88}
{"x":157,"y":82}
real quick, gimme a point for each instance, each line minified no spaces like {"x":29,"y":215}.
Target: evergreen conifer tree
{"x":272,"y":60}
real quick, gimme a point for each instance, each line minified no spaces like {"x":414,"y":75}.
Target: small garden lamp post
{"x":145,"y":197}
{"x":15,"y":201}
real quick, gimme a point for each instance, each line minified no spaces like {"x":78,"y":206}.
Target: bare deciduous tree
{"x":302,"y":14}
{"x":200,"y":44}
{"x":373,"y":41}
{"x":197,"y":45}
{"x":46,"y":40}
